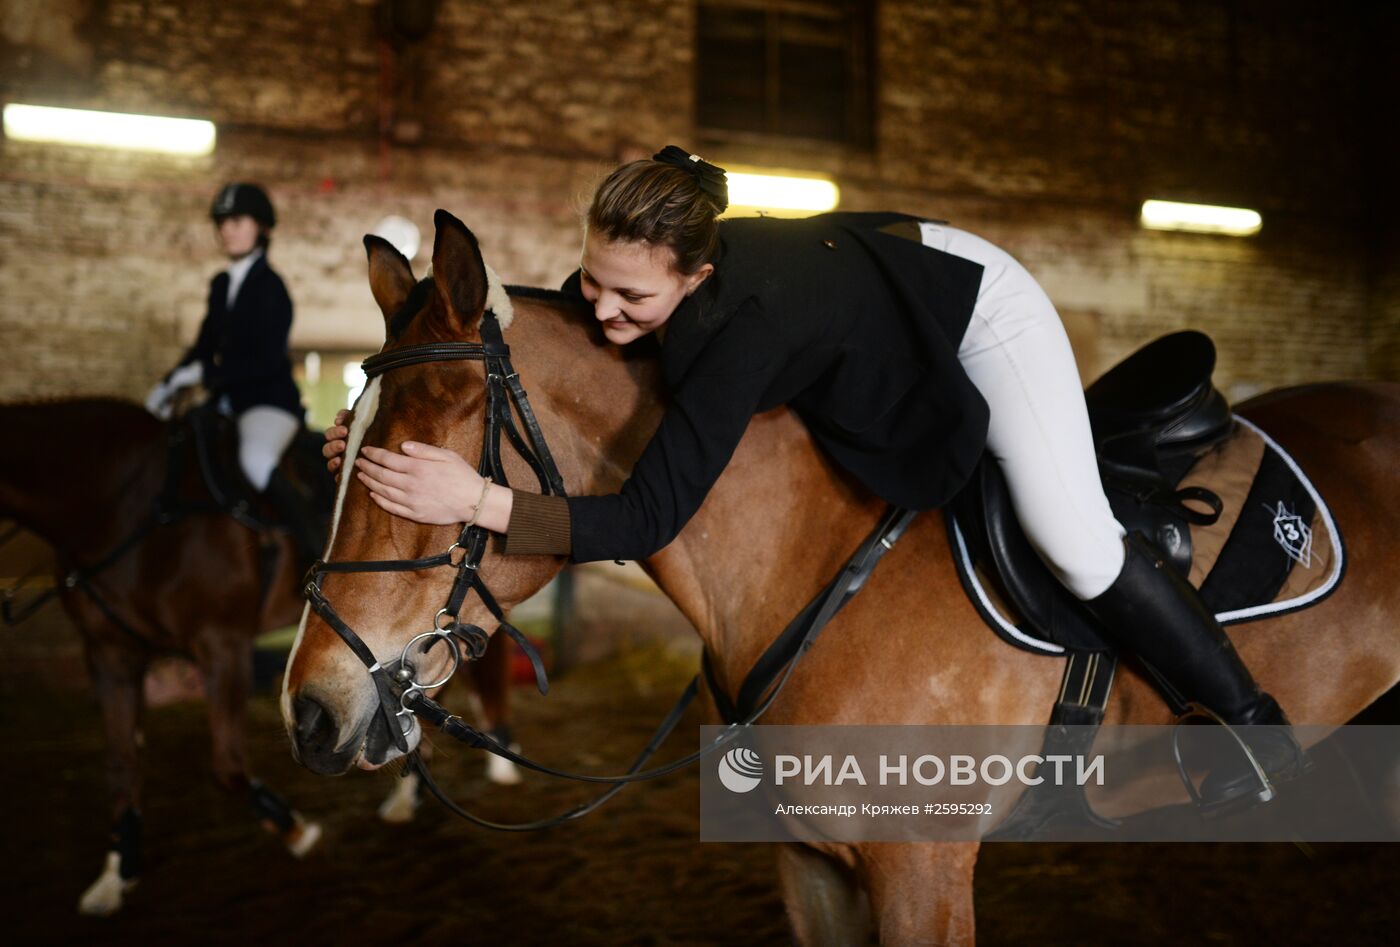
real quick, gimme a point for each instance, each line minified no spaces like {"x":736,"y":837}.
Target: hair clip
{"x":711,"y":178}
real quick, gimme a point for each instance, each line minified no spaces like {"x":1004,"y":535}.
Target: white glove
{"x":158,"y":401}
{"x":186,"y":375}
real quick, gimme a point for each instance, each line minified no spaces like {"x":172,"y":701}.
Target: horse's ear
{"x":458,"y":270}
{"x":390,"y":276}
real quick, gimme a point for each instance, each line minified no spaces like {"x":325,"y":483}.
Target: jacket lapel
{"x":246,"y":292}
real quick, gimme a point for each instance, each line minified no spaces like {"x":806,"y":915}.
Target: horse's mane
{"x":548,"y":295}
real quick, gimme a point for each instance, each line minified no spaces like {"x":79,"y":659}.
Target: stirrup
{"x":1264,"y":792}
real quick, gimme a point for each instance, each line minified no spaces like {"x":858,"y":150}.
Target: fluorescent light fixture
{"x":176,"y":136}
{"x":774,"y":192}
{"x":1200,"y":218}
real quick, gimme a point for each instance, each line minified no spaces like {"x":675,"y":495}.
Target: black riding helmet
{"x":243,"y":198}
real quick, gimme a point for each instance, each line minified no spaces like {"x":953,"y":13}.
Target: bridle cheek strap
{"x":398,"y":689}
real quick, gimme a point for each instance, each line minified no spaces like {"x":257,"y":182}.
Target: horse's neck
{"x":75,"y":471}
{"x":776,"y":527}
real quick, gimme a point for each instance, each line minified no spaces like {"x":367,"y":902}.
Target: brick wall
{"x":1041,"y":126}
{"x":1382,"y":23}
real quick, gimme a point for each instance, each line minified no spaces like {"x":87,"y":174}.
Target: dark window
{"x":786,"y":68}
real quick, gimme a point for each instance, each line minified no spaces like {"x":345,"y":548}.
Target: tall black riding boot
{"x":1153,"y":611}
{"x":295,"y":511}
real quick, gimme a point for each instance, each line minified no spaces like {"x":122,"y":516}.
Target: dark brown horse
{"x":778,"y":524}
{"x":196,"y":587}
{"x":191,"y":588}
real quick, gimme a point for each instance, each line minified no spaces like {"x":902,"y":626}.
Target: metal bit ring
{"x":451,"y":644}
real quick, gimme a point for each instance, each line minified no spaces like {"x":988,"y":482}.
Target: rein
{"x":767,"y":678}
{"x":402,"y":696}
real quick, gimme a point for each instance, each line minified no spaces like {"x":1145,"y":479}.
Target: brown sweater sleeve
{"x":539,"y":526}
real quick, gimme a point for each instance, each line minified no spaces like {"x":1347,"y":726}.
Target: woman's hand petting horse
{"x":336,"y":436}
{"x":425,"y":484}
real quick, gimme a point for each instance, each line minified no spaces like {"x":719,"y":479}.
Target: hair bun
{"x":711,"y":178}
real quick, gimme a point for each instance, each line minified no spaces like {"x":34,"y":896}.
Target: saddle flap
{"x":1000,"y":547}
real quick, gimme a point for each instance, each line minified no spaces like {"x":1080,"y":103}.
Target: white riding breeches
{"x":1017,"y":354}
{"x":263,"y":434}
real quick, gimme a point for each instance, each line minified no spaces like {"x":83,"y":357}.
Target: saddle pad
{"x":1275,"y":548}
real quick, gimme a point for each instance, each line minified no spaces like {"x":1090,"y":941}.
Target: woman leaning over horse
{"x":906,"y":346}
{"x":240,"y":355}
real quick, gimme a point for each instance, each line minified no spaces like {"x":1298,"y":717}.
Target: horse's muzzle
{"x":317,"y":743}
{"x":315,"y":739}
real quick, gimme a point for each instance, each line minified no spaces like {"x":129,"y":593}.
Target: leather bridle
{"x":398,"y":688}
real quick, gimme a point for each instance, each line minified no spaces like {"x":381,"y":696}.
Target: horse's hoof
{"x":402,"y":804}
{"x":303,"y":837}
{"x":104,"y":897}
{"x":502,"y":771}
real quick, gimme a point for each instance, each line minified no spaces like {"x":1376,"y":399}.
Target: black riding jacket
{"x":845,"y":317}
{"x":244,"y":350}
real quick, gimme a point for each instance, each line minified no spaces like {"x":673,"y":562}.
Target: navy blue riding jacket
{"x":244,"y":350}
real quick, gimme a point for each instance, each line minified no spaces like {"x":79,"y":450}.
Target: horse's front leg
{"x":402,"y":803}
{"x":921,"y":893}
{"x":118,"y":671}
{"x":226,"y":662}
{"x":824,"y":902}
{"x":491,"y":680}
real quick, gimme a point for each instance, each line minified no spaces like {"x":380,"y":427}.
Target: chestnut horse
{"x":193,"y":588}
{"x":780,"y":522}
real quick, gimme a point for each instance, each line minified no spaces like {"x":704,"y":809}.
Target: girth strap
{"x":1074,"y":722}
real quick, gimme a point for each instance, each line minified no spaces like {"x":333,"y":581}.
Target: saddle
{"x":209,"y":439}
{"x":1152,"y":415}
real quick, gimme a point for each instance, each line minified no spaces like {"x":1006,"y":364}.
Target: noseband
{"x":398,"y":687}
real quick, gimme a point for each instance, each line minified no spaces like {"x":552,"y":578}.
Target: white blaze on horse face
{"x":366,"y":406}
